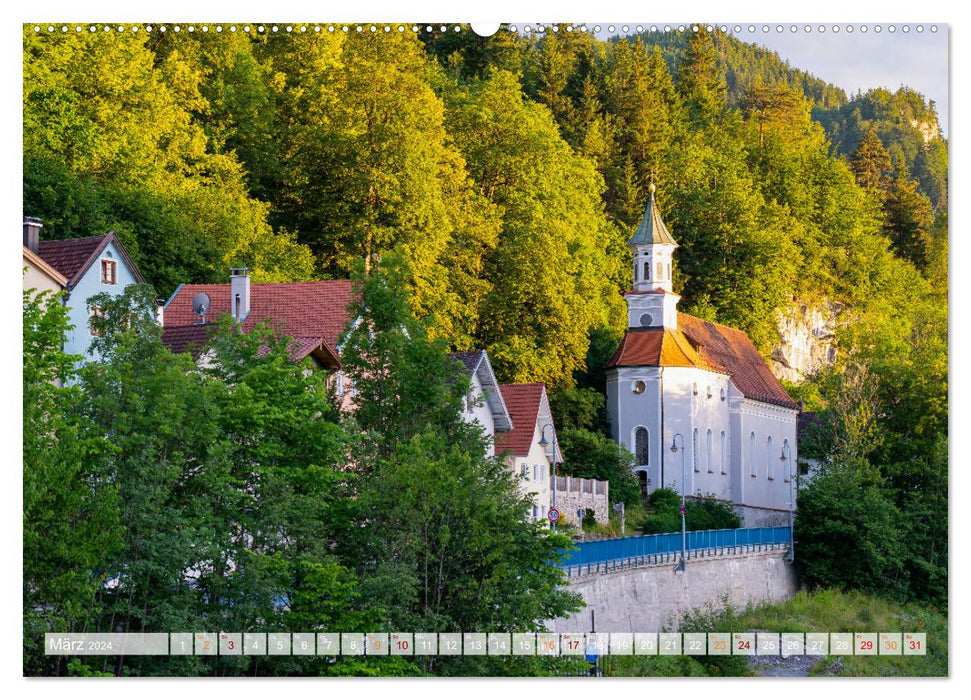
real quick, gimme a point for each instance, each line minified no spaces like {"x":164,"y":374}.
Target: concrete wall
{"x":653,"y":598}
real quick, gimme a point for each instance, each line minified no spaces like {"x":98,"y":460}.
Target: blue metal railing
{"x":645,"y":550}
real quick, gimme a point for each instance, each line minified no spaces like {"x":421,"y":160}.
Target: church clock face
{"x":639,"y":387}
{"x":647,"y":320}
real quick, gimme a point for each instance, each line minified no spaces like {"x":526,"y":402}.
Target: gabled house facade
{"x":528,"y":459}
{"x":87,"y":266}
{"x":484,"y":406}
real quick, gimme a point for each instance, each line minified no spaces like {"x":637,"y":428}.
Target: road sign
{"x":553,"y":515}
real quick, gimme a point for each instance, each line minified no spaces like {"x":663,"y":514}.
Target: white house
{"x":484,"y":406}
{"x":525,"y":454}
{"x":83,"y":267}
{"x":702,"y":387}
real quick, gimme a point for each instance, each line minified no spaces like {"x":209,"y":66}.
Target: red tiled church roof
{"x":297,"y":309}
{"x":707,"y":345}
{"x":657,"y":347}
{"x":523,"y":402}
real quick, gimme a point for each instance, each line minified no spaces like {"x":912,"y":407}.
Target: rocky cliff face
{"x":928,"y":130}
{"x":807,"y":340}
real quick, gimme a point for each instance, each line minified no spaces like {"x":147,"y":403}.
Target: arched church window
{"x":751,"y":453}
{"x":786,"y":474}
{"x":723,"y":453}
{"x":708,"y":446}
{"x":769,"y":462}
{"x":647,"y":271}
{"x":642,"y":446}
{"x":660,"y":270}
{"x":694,"y":449}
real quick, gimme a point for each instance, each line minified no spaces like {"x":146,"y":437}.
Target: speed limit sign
{"x":553,"y":515}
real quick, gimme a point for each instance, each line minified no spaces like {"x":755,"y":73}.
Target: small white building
{"x":702,"y":387}
{"x":484,"y":406}
{"x":529,"y":460}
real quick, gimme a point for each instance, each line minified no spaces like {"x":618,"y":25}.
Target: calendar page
{"x":456,"y":349}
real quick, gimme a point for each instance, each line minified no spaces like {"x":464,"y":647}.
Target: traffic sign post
{"x":553,"y":515}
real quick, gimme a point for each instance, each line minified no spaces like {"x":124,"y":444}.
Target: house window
{"x":109,"y":272}
{"x":769,"y":462}
{"x":694,"y":449}
{"x":723,"y":455}
{"x":751,"y":453}
{"x":535,"y":512}
{"x":524,"y":472}
{"x":708,"y":445}
{"x":94,"y":312}
{"x":340,"y":383}
{"x":642,"y":446}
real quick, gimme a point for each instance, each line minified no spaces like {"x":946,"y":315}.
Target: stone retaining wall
{"x":573,"y":493}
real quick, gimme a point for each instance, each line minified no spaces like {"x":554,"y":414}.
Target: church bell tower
{"x":652,"y":301}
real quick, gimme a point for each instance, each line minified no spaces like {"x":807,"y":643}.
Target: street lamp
{"x":786,"y":459}
{"x":684,"y":535}
{"x":543,"y":442}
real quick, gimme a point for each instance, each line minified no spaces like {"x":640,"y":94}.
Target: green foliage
{"x":592,"y":456}
{"x":850,"y":534}
{"x":701,"y":513}
{"x":549,"y":275}
{"x":439,"y":538}
{"x":110,"y":142}
{"x":71,"y":525}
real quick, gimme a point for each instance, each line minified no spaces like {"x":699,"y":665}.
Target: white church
{"x":701,"y":387}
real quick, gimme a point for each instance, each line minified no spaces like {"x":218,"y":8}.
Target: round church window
{"x":639,"y":387}
{"x":647,"y":320}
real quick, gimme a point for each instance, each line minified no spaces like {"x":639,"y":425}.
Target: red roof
{"x":706,"y":345}
{"x":192,"y":339}
{"x":523,"y":402}
{"x":302,"y":310}
{"x":73,"y":256}
{"x":657,"y":347}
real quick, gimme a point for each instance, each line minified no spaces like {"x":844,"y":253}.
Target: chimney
{"x":239,"y":293}
{"x":32,"y":227}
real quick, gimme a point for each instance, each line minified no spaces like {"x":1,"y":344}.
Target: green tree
{"x":440,"y":536}
{"x":70,"y":511}
{"x":871,"y":163}
{"x":850,"y":533}
{"x":110,"y":142}
{"x":549,"y":276}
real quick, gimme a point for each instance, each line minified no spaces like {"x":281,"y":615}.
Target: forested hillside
{"x":509,"y":172}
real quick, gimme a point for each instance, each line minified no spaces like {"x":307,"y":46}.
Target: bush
{"x":701,"y":513}
{"x":849,"y":533}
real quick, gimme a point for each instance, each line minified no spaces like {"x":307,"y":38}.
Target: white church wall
{"x":629,"y":410}
{"x":689,"y":408}
{"x":764,"y":476}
